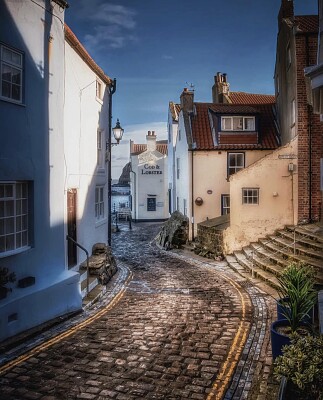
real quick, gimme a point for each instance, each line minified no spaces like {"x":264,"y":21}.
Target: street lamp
{"x":117,"y":133}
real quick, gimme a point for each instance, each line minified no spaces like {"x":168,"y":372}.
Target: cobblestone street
{"x":178,"y":328}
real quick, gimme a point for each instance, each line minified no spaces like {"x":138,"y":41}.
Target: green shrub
{"x":302,"y":364}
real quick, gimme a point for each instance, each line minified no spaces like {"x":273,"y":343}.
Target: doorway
{"x":71,"y":227}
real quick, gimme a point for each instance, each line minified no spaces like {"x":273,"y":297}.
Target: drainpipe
{"x":112,"y":89}
{"x":134,"y":198}
{"x":309,"y":116}
{"x":192,"y":183}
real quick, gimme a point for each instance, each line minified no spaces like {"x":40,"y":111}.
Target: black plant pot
{"x":278,"y":340}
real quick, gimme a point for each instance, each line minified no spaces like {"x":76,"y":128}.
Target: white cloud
{"x":137,"y":133}
{"x":114,"y":24}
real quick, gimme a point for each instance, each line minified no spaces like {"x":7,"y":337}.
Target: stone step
{"x":301,"y":240}
{"x":287,"y":254}
{"x":254,"y":270}
{"x":272,"y":257}
{"x":312,"y":233}
{"x":263,"y":263}
{"x":93,"y":282}
{"x":299,"y":249}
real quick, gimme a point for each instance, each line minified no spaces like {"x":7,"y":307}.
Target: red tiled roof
{"x":161,"y":146}
{"x":201,"y":125}
{"x":307,"y":23}
{"x":251,"y":98}
{"x":82,"y":52}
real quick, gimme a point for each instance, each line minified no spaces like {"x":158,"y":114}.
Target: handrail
{"x":87,"y":260}
{"x":304,"y":234}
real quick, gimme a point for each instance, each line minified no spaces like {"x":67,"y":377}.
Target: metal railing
{"x":87,"y":261}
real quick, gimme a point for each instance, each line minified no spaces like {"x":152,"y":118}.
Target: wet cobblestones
{"x":175,"y":330}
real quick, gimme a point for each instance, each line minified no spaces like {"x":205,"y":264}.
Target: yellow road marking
{"x":220,"y":384}
{"x":61,"y":336}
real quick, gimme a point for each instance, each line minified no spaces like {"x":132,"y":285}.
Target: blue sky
{"x":155,"y":48}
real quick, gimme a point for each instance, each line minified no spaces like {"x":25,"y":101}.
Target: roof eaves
{"x":71,"y":38}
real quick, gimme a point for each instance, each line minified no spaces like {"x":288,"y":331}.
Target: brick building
{"x":297,"y":45}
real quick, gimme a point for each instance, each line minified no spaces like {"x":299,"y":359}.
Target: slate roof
{"x":82,"y":52}
{"x":307,"y":23}
{"x":206,"y":113}
{"x":161,"y":146}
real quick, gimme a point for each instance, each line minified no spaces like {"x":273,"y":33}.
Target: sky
{"x":156,"y":48}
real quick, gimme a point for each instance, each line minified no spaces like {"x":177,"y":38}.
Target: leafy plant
{"x":302,"y":364}
{"x":6,"y":277}
{"x":297,"y":293}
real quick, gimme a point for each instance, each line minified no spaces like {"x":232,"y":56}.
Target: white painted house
{"x":148,"y":180}
{"x":53,"y":118}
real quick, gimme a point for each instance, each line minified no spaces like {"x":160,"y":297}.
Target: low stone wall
{"x":209,"y":240}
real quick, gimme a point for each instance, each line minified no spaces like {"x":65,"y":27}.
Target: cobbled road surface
{"x":175,"y":333}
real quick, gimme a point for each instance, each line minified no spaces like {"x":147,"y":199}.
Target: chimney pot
{"x":149,"y":133}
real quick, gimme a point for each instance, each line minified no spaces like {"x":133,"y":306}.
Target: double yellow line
{"x":70,"y":332}
{"x":223,"y":379}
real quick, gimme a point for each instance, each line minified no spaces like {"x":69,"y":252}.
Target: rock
{"x":99,"y":248}
{"x":174,"y":233}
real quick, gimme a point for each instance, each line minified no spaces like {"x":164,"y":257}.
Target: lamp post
{"x":117,"y":133}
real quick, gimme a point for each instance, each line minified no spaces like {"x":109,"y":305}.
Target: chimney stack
{"x":151,"y":141}
{"x":220,"y":89}
{"x":187,"y":100}
{"x":286,"y":10}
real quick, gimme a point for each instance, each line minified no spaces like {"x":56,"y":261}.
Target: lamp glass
{"x":117,"y":131}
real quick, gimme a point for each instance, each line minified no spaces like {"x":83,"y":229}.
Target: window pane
{"x":249,"y":124}
{"x":240,"y":158}
{"x":24,"y":222}
{"x":18,"y":240}
{"x":2,"y":209}
{"x":5,"y":89}
{"x":8,"y":192}
{"x":18,"y":224}
{"x":18,"y":191}
{"x":6,"y":54}
{"x":2,"y":232}
{"x":24,"y":190}
{"x":24,"y":207}
{"x":10,"y":242}
{"x":6,"y":73}
{"x":16,"y":76}
{"x":96,"y":195}
{"x":24,"y":238}
{"x":2,"y":243}
{"x":15,"y":92}
{"x":237,"y":123}
{"x":16,"y":59}
{"x":101,"y":194}
{"x":9,"y":208}
{"x":18,"y":207}
{"x":9,"y":225}
{"x":227,"y":123}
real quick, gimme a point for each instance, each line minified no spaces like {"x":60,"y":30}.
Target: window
{"x":99,"y":140}
{"x":11,"y":74}
{"x":99,"y":90}
{"x":238,"y":123}
{"x":13,"y":216}
{"x":293,"y":112}
{"x":177,"y":168}
{"x":151,"y":204}
{"x":179,"y":135}
{"x":177,"y":203}
{"x":225,"y":204}
{"x":99,"y":202}
{"x":250,"y":196}
{"x":235,"y":162}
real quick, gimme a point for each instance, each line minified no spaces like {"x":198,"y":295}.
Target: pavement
{"x":171,"y":325}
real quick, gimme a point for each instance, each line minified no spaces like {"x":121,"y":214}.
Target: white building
{"x":148,"y":180}
{"x":52,"y":124}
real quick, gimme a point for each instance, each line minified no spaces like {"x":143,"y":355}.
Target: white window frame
{"x":14,"y":217}
{"x":185,"y":207}
{"x":100,"y":151}
{"x":227,"y":123}
{"x":232,"y":169}
{"x":99,"y":90}
{"x":13,"y":66}
{"x":225,"y":204}
{"x":250,"y":196}
{"x":99,"y":203}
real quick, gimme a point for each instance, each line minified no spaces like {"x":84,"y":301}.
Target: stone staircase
{"x":268,"y":257}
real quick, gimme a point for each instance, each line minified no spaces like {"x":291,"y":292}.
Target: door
{"x":71,"y":227}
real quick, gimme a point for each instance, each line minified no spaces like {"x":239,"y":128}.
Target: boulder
{"x":174,"y":233}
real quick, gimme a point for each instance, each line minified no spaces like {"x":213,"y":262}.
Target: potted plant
{"x":5,"y":278}
{"x":298,"y":297}
{"x":301,"y":368}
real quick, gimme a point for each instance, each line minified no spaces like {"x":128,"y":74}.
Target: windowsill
{"x":99,"y":100}
{"x":14,"y":252}
{"x":17,"y":103}
{"x":101,"y":170}
{"x":100,"y":222}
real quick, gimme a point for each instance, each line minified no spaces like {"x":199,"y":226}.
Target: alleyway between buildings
{"x":171,"y":326}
